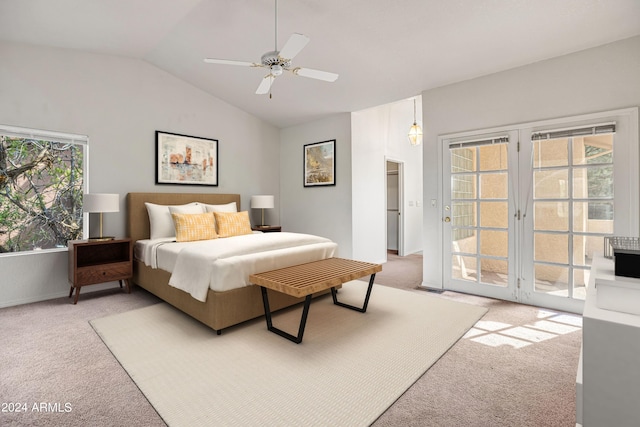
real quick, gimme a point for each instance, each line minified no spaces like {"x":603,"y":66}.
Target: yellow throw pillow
{"x":232,"y":223}
{"x":191,"y":227}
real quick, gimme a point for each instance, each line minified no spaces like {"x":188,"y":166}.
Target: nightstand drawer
{"x":103,"y":273}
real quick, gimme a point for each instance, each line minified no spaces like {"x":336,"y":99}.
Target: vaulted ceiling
{"x":383,"y":50}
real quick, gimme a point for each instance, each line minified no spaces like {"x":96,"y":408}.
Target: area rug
{"x":348,"y":370}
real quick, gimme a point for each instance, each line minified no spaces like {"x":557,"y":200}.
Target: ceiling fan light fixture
{"x":276,"y":70}
{"x":415,"y":131}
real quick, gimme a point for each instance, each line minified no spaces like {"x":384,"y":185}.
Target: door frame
{"x":627,"y":221}
{"x":400,"y":163}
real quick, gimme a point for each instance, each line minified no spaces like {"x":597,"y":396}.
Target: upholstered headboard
{"x":138,"y":218}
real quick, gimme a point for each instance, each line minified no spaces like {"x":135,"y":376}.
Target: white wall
{"x":599,"y":79}
{"x":380,"y":134}
{"x":324,"y":211}
{"x":120,"y":103}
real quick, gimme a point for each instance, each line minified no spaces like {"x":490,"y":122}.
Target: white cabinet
{"x":610,"y":360}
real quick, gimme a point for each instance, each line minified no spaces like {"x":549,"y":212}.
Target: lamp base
{"x":101,"y":239}
{"x":263,"y":226}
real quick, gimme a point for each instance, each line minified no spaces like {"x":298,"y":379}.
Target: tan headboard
{"x":138,"y":218}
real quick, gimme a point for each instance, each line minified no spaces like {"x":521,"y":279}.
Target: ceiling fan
{"x":279,"y":61}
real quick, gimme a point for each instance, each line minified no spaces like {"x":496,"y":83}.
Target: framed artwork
{"x":320,"y":163}
{"x":183,"y":159}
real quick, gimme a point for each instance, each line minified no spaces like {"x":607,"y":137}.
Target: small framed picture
{"x":320,"y":163}
{"x":183,"y":159}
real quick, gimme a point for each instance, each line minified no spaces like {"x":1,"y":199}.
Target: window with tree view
{"x":41,"y":188}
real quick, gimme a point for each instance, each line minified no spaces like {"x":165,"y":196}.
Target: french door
{"x":480,"y":229}
{"x":526,"y":209}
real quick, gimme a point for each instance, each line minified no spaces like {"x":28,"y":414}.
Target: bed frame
{"x":221,"y":309}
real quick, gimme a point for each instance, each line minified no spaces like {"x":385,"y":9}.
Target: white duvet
{"x":226,"y":263}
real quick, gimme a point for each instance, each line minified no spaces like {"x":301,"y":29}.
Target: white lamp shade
{"x":262,"y":202}
{"x":100,"y":202}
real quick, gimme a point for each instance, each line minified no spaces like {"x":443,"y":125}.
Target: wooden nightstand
{"x":267,"y":228}
{"x":92,"y":262}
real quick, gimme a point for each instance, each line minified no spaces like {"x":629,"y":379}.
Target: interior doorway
{"x":394,"y":207}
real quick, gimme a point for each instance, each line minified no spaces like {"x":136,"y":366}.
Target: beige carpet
{"x":348,"y":370}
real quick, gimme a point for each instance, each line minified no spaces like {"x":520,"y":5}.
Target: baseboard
{"x":60,"y":294}
{"x":32,"y":299}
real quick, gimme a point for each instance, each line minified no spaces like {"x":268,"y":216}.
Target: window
{"x":41,"y":188}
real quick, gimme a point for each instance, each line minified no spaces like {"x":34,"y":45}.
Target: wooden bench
{"x":306,"y":279}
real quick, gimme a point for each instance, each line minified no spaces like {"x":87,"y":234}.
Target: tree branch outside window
{"x":41,"y":187}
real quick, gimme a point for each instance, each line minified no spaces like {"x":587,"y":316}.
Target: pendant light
{"x":415,"y":132}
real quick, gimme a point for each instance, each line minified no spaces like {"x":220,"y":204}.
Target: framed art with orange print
{"x":184,"y":159}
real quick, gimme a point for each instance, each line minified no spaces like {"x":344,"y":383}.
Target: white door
{"x":478,"y":214}
{"x":525,"y":210}
{"x":580,"y":189}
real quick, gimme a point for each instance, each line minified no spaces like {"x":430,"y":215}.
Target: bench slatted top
{"x":305,"y":279}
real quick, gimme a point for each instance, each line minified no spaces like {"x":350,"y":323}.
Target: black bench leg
{"x":334,"y":295}
{"x":303,"y":320}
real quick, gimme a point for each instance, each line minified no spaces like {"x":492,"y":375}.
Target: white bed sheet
{"x":226,"y":263}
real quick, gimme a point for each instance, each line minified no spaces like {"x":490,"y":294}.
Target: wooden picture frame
{"x":320,"y":163}
{"x":186,"y":160}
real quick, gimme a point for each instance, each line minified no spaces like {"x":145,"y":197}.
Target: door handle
{"x":447,"y":219}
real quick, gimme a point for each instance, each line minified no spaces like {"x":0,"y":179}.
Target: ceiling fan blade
{"x":315,"y":74}
{"x":230,"y":62}
{"x":265,"y":84}
{"x":293,"y":46}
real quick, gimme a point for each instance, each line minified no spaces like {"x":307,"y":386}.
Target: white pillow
{"x":229,"y":207}
{"x":160,"y":221}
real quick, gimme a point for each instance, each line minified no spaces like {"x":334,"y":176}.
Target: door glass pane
{"x":593,"y":217}
{"x":593,"y":182}
{"x":584,"y":247}
{"x":464,"y":240}
{"x":551,"y":184}
{"x":494,"y":186}
{"x":464,"y":268}
{"x":463,"y":214}
{"x":463,"y":160}
{"x":551,"y":216}
{"x":580,"y":280}
{"x":551,"y":247}
{"x":480,"y":172}
{"x":551,"y":279}
{"x":463,"y":186}
{"x":550,"y":153}
{"x":494,"y":214}
{"x":576,"y":203}
{"x":493,"y":157}
{"x":494,"y":243}
{"x":593,"y":149}
{"x":494,"y":271}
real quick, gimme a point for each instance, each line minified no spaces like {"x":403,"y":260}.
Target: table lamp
{"x":262,"y":202}
{"x":99,"y":203}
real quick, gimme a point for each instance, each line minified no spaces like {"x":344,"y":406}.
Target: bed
{"x":221,"y":308}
